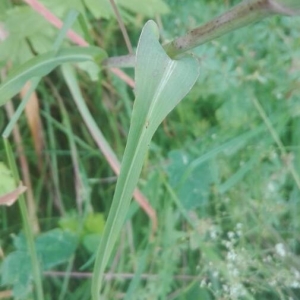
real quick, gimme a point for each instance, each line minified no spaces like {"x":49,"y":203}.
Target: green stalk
{"x":241,"y":15}
{"x":130,"y":171}
{"x":34,"y":68}
{"x":161,"y":83}
{"x":26,"y":223}
{"x":286,"y":7}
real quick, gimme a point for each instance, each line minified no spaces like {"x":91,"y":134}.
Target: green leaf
{"x":41,"y":43}
{"x":35,"y":29}
{"x":91,"y":68}
{"x":60,"y":8}
{"x":160,"y":85}
{"x":102,"y":8}
{"x":94,"y":223}
{"x":16,"y":270}
{"x":7,"y":182}
{"x":19,"y":241}
{"x":3,"y":7}
{"x":70,"y":222}
{"x":91,"y":242}
{"x":234,"y":114}
{"x":193,"y":187}
{"x":148,"y":8}
{"x":31,"y":22}
{"x":196,"y":292}
{"x":44,"y":64}
{"x":55,"y":247}
{"x":99,"y":8}
{"x":10,"y":50}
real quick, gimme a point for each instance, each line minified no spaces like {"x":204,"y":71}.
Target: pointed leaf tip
{"x":161,"y":83}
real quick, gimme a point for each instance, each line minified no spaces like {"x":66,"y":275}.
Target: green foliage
{"x":191,"y":180}
{"x":34,"y":28}
{"x":161,"y":83}
{"x":7,"y":183}
{"x":37,"y":34}
{"x":148,"y":9}
{"x":99,"y":9}
{"x":225,"y":194}
{"x":94,"y":223}
{"x":16,"y":271}
{"x":89,"y":230}
{"x":53,"y":248}
{"x":44,"y":64}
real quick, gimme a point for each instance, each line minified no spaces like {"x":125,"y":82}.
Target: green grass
{"x":221,"y":173}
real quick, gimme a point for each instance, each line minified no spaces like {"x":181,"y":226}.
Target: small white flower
{"x":280,"y":250}
{"x":267,"y":259}
{"x":224,"y":49}
{"x":227,"y":244}
{"x":213,"y":233}
{"x":239,"y":226}
{"x":297,"y":274}
{"x":235,"y":272}
{"x":231,"y":255}
{"x":230,"y":234}
{"x":185,"y":159}
{"x":273,"y":283}
{"x":237,"y":290}
{"x":203,"y":283}
{"x":295,"y":284}
{"x":271,"y":187}
{"x":225,"y":288}
{"x":215,"y":274}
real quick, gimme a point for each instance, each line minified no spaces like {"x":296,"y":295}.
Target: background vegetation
{"x":221,"y":173}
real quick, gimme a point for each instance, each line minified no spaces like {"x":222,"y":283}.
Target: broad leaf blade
{"x":160,"y":84}
{"x":192,"y":188}
{"x":55,"y":247}
{"x":148,"y":8}
{"x":16,"y":270}
{"x":160,"y":81}
{"x":43,"y":65}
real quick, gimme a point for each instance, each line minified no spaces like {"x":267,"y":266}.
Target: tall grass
{"x":222,"y":172}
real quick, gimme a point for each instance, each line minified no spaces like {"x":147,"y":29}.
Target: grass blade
{"x":160,"y":85}
{"x":43,"y":64}
{"x":26,"y":223}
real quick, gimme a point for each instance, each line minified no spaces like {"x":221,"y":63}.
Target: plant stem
{"x":243,"y":14}
{"x":277,"y":140}
{"x":36,"y":272}
{"x":123,"y":61}
{"x":122,"y":26}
